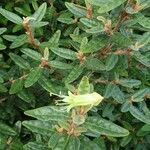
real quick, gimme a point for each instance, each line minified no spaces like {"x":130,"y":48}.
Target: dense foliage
{"x":74,"y":75}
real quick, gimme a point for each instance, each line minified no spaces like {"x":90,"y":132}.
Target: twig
{"x":89,"y":14}
{"x":29,"y":33}
{"x":123,"y":17}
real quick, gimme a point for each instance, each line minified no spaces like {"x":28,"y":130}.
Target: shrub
{"x":74,"y":75}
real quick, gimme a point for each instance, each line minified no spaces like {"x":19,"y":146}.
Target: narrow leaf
{"x":60,"y":65}
{"x":139,"y":115}
{"x":84,"y":86}
{"x":19,"y":41}
{"x":2,"y":46}
{"x":74,"y":143}
{"x":139,"y":95}
{"x":39,"y":24}
{"x":16,"y":86}
{"x":118,"y":95}
{"x":88,"y":22}
{"x":141,"y":58}
{"x":47,"y":84}
{"x":77,"y":10}
{"x":33,"y":76}
{"x":74,"y":74}
{"x":2,"y":30}
{"x":19,"y":61}
{"x":94,"y":64}
{"x":32,"y":54}
{"x":11,"y":16}
{"x":26,"y":95}
{"x":58,"y":141}
{"x":93,"y":45}
{"x":35,"y":146}
{"x":48,"y":113}
{"x":111,"y":62}
{"x":39,"y":14}
{"x":2,"y":88}
{"x":129,"y":82}
{"x":40,"y":127}
{"x":6,"y":130}
{"x":104,"y":127}
{"x":10,"y":38}
{"x":143,"y":21}
{"x":65,"y":53}
{"x":107,"y":5}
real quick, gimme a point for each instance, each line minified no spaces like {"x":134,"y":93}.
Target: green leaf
{"x":94,"y":64}
{"x":33,"y":76}
{"x":39,"y":14}
{"x":105,"y":127}
{"x":139,"y":115}
{"x":83,"y":43}
{"x":109,"y":90}
{"x":58,"y":141}
{"x":142,"y":20}
{"x":111,"y":62}
{"x":100,"y":142}
{"x":66,"y":20}
{"x":11,"y":16}
{"x":1,"y":79}
{"x":65,"y":17}
{"x":16,"y":144}
{"x":40,"y":127}
{"x":2,"y":88}
{"x":88,"y":22}
{"x":10,"y":38}
{"x":2,"y":30}
{"x":74,"y":74}
{"x":141,"y":58}
{"x":77,"y":10}
{"x":130,"y":83}
{"x":93,"y":45}
{"x":48,"y":113}
{"x":60,"y":65}
{"x":146,"y":128}
{"x":22,"y":11}
{"x":95,"y":30}
{"x":32,"y":54}
{"x":139,"y":95}
{"x":141,"y":41}
{"x":26,"y":96}
{"x":19,"y":41}
{"x":120,"y":40}
{"x":87,"y":144}
{"x":126,"y":106}
{"x":65,"y":53}
{"x":84,"y":86}
{"x":35,"y":146}
{"x":16,"y":86}
{"x":74,"y":143}
{"x":19,"y":61}
{"x":47,"y":84}
{"x":106,"y":5}
{"x":53,"y":41}
{"x":39,"y":24}
{"x":6,"y":130}
{"x":118,"y":95}
{"x":54,"y":140}
{"x":16,"y":28}
{"x":35,"y":5}
{"x":2,"y":46}
{"x":125,"y":140}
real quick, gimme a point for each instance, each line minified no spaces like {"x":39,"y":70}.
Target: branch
{"x":29,"y":33}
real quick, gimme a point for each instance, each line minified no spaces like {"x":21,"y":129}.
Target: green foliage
{"x":74,"y":74}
